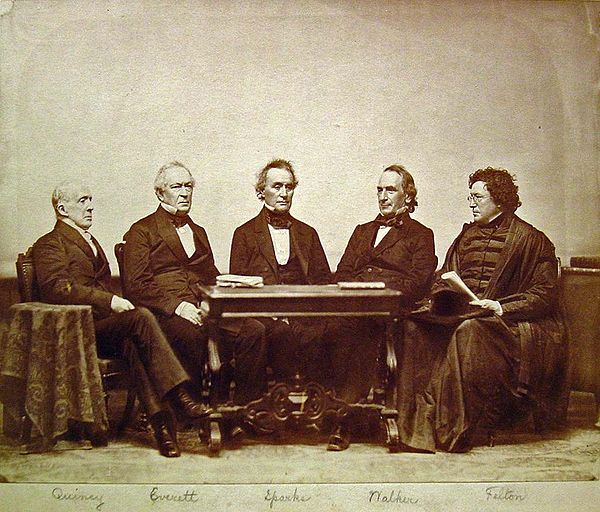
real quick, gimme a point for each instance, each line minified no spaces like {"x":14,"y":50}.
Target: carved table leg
{"x":392,"y":437}
{"x":211,"y":434}
{"x":389,"y":412}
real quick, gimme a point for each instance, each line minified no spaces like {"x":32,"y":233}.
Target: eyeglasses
{"x":476,"y":199}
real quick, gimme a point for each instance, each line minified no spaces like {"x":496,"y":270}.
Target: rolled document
{"x":234,"y":281}
{"x":458,"y":285}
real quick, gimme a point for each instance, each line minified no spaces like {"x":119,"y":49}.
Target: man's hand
{"x":119,"y":304}
{"x":492,"y":305}
{"x":190,"y":312}
{"x":204,"y":309}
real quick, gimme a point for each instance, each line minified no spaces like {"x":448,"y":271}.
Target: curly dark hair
{"x":501,"y":185}
{"x":261,"y":176}
{"x":408,"y":185}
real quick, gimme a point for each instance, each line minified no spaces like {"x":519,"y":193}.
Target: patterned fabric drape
{"x":52,"y":348}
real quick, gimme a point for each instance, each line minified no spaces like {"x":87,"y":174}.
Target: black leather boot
{"x":185,"y":404}
{"x":166,"y":441}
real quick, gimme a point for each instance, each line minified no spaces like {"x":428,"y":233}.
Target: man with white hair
{"x":71,"y":268}
{"x":166,"y":256}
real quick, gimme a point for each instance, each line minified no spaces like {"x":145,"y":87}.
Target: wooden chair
{"x":115,"y":372}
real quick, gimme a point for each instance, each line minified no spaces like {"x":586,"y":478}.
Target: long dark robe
{"x":487,"y":372}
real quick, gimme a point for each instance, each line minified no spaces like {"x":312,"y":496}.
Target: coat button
{"x":369,"y":269}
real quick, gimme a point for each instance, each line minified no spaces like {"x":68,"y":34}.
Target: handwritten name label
{"x":393,"y":496}
{"x":503,"y":493}
{"x":272,"y":496}
{"x":58,"y":493}
{"x":185,"y":497}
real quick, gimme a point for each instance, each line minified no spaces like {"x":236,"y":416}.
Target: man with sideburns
{"x":394,"y":249}
{"x":283,"y":250}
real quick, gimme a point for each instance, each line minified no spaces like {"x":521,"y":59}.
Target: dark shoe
{"x":167,"y":446}
{"x":339,"y":440}
{"x":99,"y":439}
{"x":186,"y":405}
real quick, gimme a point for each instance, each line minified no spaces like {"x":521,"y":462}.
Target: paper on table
{"x":458,"y":285}
{"x":234,"y":280}
{"x":362,"y":285}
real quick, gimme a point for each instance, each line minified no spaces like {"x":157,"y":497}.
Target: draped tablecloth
{"x":52,"y":350}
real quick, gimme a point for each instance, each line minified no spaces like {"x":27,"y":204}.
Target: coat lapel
{"x":102,"y":261}
{"x":74,"y":236}
{"x":202,"y":244}
{"x":167,"y":232}
{"x":265,"y":244}
{"x":508,"y":251}
{"x":299,"y":242}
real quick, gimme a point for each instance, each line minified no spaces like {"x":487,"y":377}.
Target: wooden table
{"x":51,"y":350}
{"x":300,"y":403}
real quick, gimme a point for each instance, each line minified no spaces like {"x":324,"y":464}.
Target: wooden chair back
{"x":28,"y":289}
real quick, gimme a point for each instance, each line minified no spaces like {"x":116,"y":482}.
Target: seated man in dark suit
{"x":71,"y":268}
{"x":392,"y":248}
{"x":166,"y":255}
{"x":282,"y":250}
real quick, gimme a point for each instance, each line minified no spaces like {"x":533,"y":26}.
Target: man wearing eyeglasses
{"x":505,"y":357}
{"x":166,"y":255}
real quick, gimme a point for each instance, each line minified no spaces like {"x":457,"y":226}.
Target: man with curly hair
{"x":502,"y":356}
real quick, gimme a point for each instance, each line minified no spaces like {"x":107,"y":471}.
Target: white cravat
{"x":88,"y":239}
{"x":381,"y":232}
{"x":281,"y":244}
{"x":185,"y":233}
{"x":186,"y":236}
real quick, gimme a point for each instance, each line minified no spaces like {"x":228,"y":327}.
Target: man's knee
{"x":253,"y":328}
{"x":146,"y":318}
{"x":251,"y":335}
{"x":278,"y":330}
{"x":467,"y":327}
{"x":470,"y":338}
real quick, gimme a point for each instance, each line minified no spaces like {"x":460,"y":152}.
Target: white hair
{"x":160,"y":182}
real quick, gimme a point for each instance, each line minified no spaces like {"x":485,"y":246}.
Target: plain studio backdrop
{"x":109,"y":91}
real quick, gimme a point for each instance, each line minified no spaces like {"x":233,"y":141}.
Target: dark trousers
{"x":137,"y":336}
{"x":349,"y":351}
{"x":340,"y":353}
{"x":294,"y":347}
{"x":242,"y":340}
